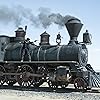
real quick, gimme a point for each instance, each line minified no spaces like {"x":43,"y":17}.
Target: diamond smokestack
{"x":73,"y":26}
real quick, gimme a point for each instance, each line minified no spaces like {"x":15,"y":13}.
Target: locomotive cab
{"x":4,"y":40}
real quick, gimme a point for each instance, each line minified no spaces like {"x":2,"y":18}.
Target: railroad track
{"x":47,"y":89}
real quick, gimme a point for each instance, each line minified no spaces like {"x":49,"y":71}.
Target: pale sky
{"x":88,"y":11}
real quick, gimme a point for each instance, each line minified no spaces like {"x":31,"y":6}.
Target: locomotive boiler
{"x":74,"y":51}
{"x":58,"y":65}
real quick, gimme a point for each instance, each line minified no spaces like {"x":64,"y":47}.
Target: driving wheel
{"x":2,"y":77}
{"x":79,"y":83}
{"x":25,"y":79}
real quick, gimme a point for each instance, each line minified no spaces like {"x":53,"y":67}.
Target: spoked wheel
{"x":2,"y":77}
{"x":10,"y":79}
{"x":25,"y":79}
{"x":79,"y":83}
{"x":52,"y":84}
{"x":40,"y":80}
{"x":11,"y":82}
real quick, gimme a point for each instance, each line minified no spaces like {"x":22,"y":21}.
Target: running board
{"x":41,"y":62}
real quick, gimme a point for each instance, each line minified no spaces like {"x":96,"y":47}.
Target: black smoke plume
{"x":18,"y":15}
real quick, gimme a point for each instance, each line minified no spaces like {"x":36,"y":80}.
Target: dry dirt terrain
{"x":44,"y":93}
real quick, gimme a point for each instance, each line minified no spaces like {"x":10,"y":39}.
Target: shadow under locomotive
{"x":48,"y":89}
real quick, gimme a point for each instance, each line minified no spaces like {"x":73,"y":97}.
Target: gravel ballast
{"x":6,"y":94}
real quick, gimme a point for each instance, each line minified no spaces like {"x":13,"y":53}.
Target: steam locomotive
{"x":58,"y":65}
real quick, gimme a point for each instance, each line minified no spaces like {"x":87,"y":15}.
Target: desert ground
{"x":45,"y":94}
